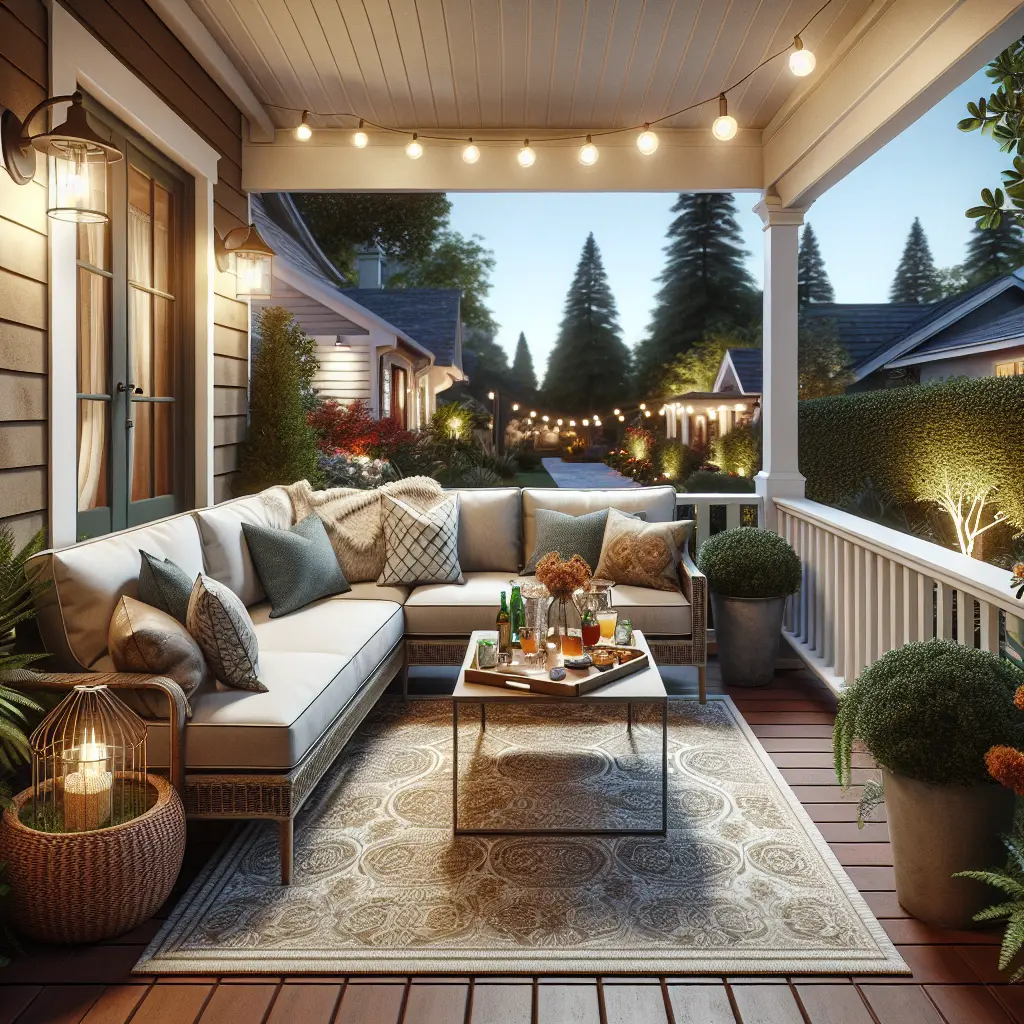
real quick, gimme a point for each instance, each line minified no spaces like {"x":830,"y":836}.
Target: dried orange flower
{"x":562,"y":577}
{"x":1018,"y":570}
{"x":1006,"y":765}
{"x":1018,"y":698}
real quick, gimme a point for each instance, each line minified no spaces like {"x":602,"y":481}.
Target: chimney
{"x":370,"y":266}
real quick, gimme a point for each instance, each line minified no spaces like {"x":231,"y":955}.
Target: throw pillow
{"x":142,"y":638}
{"x":570,"y":535}
{"x":642,"y":554}
{"x":164,"y":585}
{"x":420,"y":546}
{"x":296,"y":566}
{"x":225,"y":634}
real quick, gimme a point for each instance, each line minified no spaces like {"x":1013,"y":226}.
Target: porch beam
{"x":899,"y":61}
{"x":686,"y":160}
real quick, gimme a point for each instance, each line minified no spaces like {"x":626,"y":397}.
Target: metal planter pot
{"x":938,"y":830}
{"x":747,"y":632}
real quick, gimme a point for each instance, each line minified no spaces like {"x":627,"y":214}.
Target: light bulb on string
{"x":725,"y":126}
{"x":302,"y":131}
{"x":527,"y":157}
{"x":415,"y":148}
{"x":616,"y":411}
{"x":647,"y":141}
{"x":801,"y":60}
{"x":360,"y":138}
{"x":544,"y":418}
{"x":622,"y":419}
{"x":471,"y":153}
{"x":588,"y":153}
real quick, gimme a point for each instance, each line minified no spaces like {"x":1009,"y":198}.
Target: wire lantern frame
{"x":88,"y":763}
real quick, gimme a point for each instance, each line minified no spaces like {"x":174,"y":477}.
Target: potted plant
{"x":750,"y":574}
{"x":929,"y":714}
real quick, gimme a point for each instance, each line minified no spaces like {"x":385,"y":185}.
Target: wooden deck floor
{"x":955,"y":976}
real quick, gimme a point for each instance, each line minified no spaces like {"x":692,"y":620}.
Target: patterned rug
{"x":743,"y":883}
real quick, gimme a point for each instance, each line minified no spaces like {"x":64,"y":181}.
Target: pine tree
{"x":812,"y":283}
{"x":994,"y":252}
{"x":523,"y":374}
{"x":705,"y":286}
{"x":916,"y":278}
{"x":589,"y":366}
{"x":281,"y":446}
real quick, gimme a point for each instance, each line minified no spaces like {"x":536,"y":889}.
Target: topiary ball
{"x":930,"y":711}
{"x":749,"y":563}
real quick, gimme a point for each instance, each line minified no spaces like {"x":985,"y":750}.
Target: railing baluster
{"x":944,"y":611}
{"x":896,"y":585}
{"x":812,"y":585}
{"x":989,"y":616}
{"x":827,"y":598}
{"x":732,"y":516}
{"x":911,"y":625}
{"x":838,"y":608}
{"x":883,"y":629}
{"x":870,"y":631}
{"x":702,"y":513}
{"x":925,"y":607}
{"x":964,"y":619}
{"x":850,"y":612}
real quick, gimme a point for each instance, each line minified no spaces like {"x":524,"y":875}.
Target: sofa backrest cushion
{"x":490,"y":527}
{"x":227,"y":555}
{"x":658,"y":502}
{"x":90,"y":578}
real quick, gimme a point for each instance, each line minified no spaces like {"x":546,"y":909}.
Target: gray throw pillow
{"x":164,"y":585}
{"x":296,"y":566}
{"x":225,"y":634}
{"x":568,"y":535}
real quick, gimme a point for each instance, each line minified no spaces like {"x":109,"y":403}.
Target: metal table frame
{"x":498,"y":698}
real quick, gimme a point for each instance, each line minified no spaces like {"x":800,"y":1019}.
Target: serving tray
{"x":534,"y":678}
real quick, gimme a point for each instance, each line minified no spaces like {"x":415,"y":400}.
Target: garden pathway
{"x":585,"y":474}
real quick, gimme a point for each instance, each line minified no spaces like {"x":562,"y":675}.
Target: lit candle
{"x":87,"y":791}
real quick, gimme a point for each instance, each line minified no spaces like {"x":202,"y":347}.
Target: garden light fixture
{"x":647,"y":141}
{"x":801,"y":60}
{"x":303,"y":132}
{"x":252,"y":259}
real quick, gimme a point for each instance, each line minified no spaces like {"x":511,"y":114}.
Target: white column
{"x":686,"y":426}
{"x":780,"y":474}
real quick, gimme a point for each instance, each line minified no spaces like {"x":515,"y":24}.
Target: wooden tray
{"x":534,"y":679}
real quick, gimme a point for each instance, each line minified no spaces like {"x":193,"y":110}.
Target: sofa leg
{"x":702,"y":683}
{"x":287,"y":828}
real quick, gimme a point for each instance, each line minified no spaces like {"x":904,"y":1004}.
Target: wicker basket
{"x":87,"y":886}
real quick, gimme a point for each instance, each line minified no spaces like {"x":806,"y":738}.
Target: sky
{"x":932,"y":171}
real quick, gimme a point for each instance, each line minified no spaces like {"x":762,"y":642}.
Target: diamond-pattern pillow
{"x":420,"y":546}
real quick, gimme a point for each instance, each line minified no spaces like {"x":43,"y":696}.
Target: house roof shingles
{"x":279,"y":222}
{"x":747,"y":362}
{"x":430,"y":315}
{"x":1008,"y":327}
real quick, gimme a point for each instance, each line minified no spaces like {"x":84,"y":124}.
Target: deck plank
{"x":967,"y":1004}
{"x":700,"y":1004}
{"x":568,"y":1004}
{"x":634,"y":1004}
{"x":833,"y":1004}
{"x":901,"y":1004}
{"x":61,"y":1004}
{"x":238,"y":1004}
{"x":305,"y":1004}
{"x":502,"y":1004}
{"x":173,"y":1004}
{"x":116,"y":1004}
{"x":436,"y":1004}
{"x":371,"y":1004}
{"x":767,"y":1004}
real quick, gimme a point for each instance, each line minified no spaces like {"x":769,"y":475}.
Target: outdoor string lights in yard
{"x":725,"y":127}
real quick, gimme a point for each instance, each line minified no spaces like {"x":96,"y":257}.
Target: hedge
{"x":899,"y":437}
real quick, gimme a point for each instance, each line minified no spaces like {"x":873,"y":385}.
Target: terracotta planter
{"x":936,"y":831}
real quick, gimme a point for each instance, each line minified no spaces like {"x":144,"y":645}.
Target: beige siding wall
{"x":344,"y":373}
{"x":981,"y":365}
{"x":23,"y":272}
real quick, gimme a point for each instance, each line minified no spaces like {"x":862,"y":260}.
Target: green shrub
{"x":930,"y":711}
{"x":707,"y":481}
{"x":749,"y":563}
{"x":676,"y":461}
{"x":739,"y":451}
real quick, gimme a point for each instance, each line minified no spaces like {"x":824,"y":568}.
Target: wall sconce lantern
{"x":253,"y":261}
{"x":79,"y":188}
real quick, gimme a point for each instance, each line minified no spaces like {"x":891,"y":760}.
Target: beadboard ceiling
{"x":507,"y":64}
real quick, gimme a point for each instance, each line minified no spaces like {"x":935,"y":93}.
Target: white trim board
{"x":980,"y":348}
{"x":78,"y":60}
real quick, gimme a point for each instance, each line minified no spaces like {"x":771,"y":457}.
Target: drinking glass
{"x":606,"y":620}
{"x":529,"y":640}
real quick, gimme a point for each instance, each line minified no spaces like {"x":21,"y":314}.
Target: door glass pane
{"x":163,"y":448}
{"x":142,"y":451}
{"x":140,"y":245}
{"x":163,"y":213}
{"x":164,"y":354}
{"x":94,"y":240}
{"x":140,"y":334}
{"x":93,"y":333}
{"x":93,"y":484}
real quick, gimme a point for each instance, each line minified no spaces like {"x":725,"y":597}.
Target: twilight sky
{"x":932,"y":171}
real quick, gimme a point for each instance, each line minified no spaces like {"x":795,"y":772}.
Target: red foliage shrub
{"x":353,"y":430}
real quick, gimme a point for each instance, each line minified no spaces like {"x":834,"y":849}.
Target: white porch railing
{"x":704,"y":506}
{"x":868,"y":589}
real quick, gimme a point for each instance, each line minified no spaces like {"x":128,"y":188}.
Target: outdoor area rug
{"x":743,"y":883}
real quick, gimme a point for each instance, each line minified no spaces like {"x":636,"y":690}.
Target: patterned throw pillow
{"x":296,"y":566}
{"x":420,"y":546}
{"x":145,"y":639}
{"x":225,"y":634}
{"x":164,"y":585}
{"x":642,"y":554}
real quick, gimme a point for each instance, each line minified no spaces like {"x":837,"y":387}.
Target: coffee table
{"x":643,"y":687}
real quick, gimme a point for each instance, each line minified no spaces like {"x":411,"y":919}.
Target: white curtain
{"x":92,"y":326}
{"x":140,"y":347}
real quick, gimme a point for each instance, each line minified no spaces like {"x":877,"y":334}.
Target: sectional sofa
{"x":234,"y":754}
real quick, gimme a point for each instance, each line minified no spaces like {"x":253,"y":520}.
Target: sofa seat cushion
{"x":654,"y":612}
{"x":447,"y":609}
{"x":313,"y":662}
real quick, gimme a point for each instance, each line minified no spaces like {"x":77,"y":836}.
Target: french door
{"x":133,"y":366}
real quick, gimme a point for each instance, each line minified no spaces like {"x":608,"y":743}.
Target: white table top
{"x":639,"y":686}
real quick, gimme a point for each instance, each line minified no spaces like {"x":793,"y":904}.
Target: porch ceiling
{"x":553,"y":64}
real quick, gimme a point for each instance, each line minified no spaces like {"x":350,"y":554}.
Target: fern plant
{"x":1011,"y":882}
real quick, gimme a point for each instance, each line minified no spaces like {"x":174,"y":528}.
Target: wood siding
{"x":24,"y":77}
{"x":344,"y":373}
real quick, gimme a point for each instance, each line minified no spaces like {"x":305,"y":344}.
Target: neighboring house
{"x":697,"y":417}
{"x":397,"y":365}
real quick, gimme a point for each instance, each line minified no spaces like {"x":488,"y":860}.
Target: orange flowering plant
{"x":1017,"y":581}
{"x":563,"y":576}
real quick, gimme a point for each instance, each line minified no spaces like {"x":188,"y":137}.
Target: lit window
{"x":1015,"y":369}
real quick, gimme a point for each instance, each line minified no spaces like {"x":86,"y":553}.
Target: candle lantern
{"x":88,"y":764}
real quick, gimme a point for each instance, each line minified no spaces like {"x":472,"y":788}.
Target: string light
{"x":725,"y":126}
{"x":622,"y":418}
{"x":616,"y":411}
{"x":471,"y":153}
{"x":572,"y":423}
{"x":643,"y":405}
{"x":303,"y":132}
{"x":490,"y":395}
{"x":360,"y":139}
{"x":515,"y":407}
{"x":533,"y":414}
{"x":588,"y":153}
{"x":647,"y":141}
{"x":415,"y":148}
{"x":801,"y":60}
{"x":544,"y":418}
{"x":558,"y":423}
{"x":526,"y":156}
{"x":586,"y":423}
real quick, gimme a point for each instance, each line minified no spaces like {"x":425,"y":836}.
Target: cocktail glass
{"x":606,"y":620}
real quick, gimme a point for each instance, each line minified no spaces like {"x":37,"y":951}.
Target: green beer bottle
{"x":516,"y":611}
{"x":504,"y":627}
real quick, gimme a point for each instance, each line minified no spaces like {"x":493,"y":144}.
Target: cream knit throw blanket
{"x":353,"y":518}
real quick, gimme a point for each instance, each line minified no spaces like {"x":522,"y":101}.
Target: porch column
{"x":686,"y":427}
{"x":780,"y":474}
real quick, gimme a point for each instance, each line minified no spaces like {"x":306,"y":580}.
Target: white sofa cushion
{"x":446,"y":609}
{"x":227,"y":555}
{"x":90,"y":578}
{"x":313,"y":662}
{"x":654,"y":612}
{"x":490,"y":528}
{"x":658,"y":502}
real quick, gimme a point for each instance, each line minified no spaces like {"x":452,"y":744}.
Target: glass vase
{"x":565,"y":627}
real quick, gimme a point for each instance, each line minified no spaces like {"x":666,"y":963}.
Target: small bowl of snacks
{"x":604,"y":658}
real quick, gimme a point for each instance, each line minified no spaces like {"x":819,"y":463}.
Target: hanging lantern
{"x":253,"y":262}
{"x":88,"y":764}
